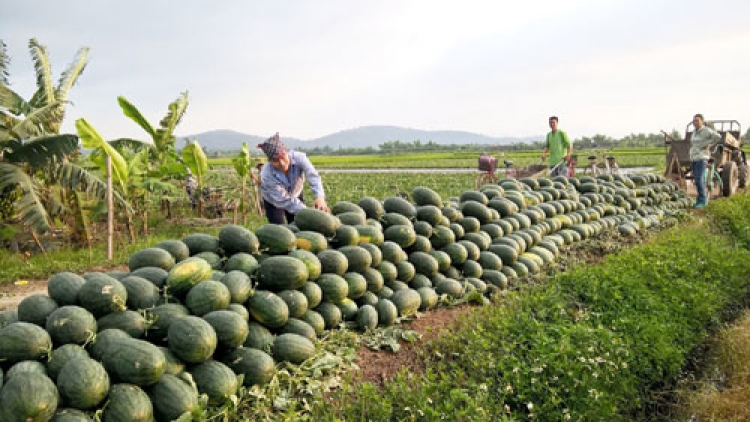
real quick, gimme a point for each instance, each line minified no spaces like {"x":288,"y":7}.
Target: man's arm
{"x":570,"y":146}
{"x":316,"y":184}
{"x":706,"y":138}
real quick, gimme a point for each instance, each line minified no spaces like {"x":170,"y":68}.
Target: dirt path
{"x":12,"y":294}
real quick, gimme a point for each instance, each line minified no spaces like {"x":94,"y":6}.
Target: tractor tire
{"x":742,"y":174}
{"x":730,"y":178}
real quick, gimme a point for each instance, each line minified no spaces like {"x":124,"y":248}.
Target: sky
{"x":310,"y":68}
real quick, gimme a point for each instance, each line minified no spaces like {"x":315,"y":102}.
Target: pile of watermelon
{"x":194,"y":319}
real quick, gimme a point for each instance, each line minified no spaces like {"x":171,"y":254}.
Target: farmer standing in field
{"x":281,"y":183}
{"x":559,"y":148}
{"x":703,"y":137}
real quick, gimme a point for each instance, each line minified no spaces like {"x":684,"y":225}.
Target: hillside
{"x":362,"y":137}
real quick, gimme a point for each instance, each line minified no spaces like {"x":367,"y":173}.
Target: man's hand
{"x":320,"y":204}
{"x":544,"y":157}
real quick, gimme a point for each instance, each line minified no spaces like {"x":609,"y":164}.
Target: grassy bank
{"x":591,"y":345}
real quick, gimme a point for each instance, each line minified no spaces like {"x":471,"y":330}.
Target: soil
{"x":380,"y":366}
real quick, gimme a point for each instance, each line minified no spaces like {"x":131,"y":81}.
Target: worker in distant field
{"x":559,"y":148}
{"x":700,"y":142}
{"x":281,"y":183}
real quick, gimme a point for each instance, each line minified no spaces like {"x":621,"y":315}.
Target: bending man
{"x":281,"y":183}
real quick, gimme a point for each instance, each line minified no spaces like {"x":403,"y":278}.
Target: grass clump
{"x":723,"y":391}
{"x":591,"y":345}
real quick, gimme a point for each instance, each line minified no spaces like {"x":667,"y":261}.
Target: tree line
{"x":633,"y":140}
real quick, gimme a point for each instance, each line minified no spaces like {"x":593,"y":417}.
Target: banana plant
{"x":43,"y":114}
{"x":163,"y":163}
{"x":121,"y":170}
{"x":243,"y":167}
{"x":161,"y":145}
{"x":195,"y":159}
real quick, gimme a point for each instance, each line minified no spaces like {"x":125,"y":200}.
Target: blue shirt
{"x":283,"y":191}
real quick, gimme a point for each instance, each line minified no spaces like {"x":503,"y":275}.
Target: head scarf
{"x":272,"y":146}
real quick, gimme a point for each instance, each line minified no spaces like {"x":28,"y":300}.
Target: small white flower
{"x":530,"y":405}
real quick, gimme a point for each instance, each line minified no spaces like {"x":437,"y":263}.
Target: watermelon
{"x":298,"y":326}
{"x":214,"y":260}
{"x":230,"y":327}
{"x":127,"y":402}
{"x":312,"y":292}
{"x":239,"y":285}
{"x":426,"y":196}
{"x":32,"y":397}
{"x":387,"y":312}
{"x":162,"y":317}
{"x":331,"y":314}
{"x":334,"y":287}
{"x":310,"y":219}
{"x":296,"y":301}
{"x":256,"y":366}
{"x":62,"y":355}
{"x":25,"y":367}
{"x":268,"y":309}
{"x":23,"y":341}
{"x":275,"y":239}
{"x":311,"y":241}
{"x":282,"y":273}
{"x":135,"y":361}
{"x":358,"y":258}
{"x":292,"y":348}
{"x":142,"y":294}
{"x":215,"y":380}
{"x":186,"y":274}
{"x":345,"y":236}
{"x":102,"y":294}
{"x":63,"y":288}
{"x":259,"y":337}
{"x":333,"y":261}
{"x":315,"y":320}
{"x":105,"y":341}
{"x":372,"y":207}
{"x":36,"y":308}
{"x":83,"y":383}
{"x":207,"y":296}
{"x":155,"y":275}
{"x":177,"y":248}
{"x":234,"y":239}
{"x":367,"y":318}
{"x":133,"y":323}
{"x":241,"y":261}
{"x":201,"y":242}
{"x":311,"y":261}
{"x":192,"y":339}
{"x":376,"y":255}
{"x":172,"y":397}
{"x":151,"y":257}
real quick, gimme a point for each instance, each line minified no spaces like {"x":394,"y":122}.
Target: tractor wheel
{"x":729,"y":178}
{"x":742,"y":174}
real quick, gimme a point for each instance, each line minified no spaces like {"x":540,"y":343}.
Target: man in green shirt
{"x":700,"y":141}
{"x":559,"y":148}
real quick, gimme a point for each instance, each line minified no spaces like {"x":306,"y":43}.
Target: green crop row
{"x":650,"y":157}
{"x":590,"y":345}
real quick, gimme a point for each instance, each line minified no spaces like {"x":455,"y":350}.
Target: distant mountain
{"x":362,"y":137}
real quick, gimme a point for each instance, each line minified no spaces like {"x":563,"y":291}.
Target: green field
{"x":651,"y":157}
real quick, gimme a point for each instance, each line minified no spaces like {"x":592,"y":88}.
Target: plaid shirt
{"x":703,"y":137}
{"x":283,"y":191}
